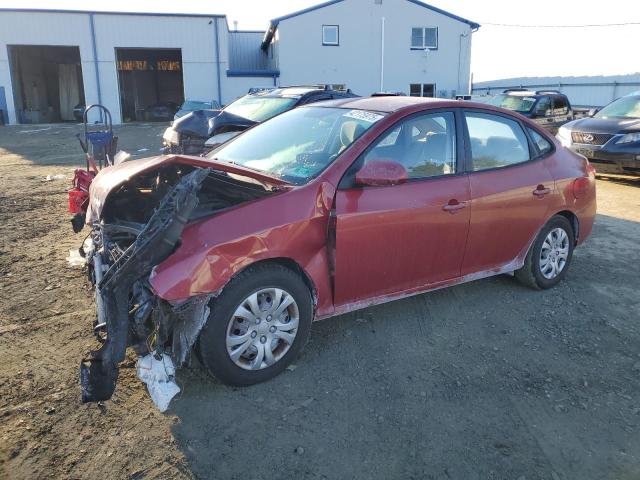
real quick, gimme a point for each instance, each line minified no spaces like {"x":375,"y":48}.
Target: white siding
{"x":356,"y":61}
{"x":235,"y":87}
{"x":194,"y":36}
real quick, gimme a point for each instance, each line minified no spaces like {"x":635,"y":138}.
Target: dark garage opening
{"x":47,"y":83}
{"x":151,"y":85}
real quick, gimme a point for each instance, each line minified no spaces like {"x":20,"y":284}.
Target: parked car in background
{"x":610,"y":139}
{"x":78,"y":111}
{"x":161,"y":112}
{"x":322,"y":210}
{"x":192,"y":105}
{"x":195,"y":134}
{"x":253,"y":90}
{"x":548,"y":108}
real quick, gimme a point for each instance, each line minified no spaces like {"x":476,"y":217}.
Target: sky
{"x":497,"y":52}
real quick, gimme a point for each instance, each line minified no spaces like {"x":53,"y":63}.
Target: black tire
{"x":530,"y":274}
{"x":212,"y":341}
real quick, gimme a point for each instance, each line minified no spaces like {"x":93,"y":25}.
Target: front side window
{"x":299,"y":144}
{"x":330,"y":35}
{"x":495,"y":141}
{"x":424,"y":37}
{"x":258,"y":108}
{"x":424,"y":145}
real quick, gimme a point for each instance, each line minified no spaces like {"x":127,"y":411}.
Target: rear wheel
{"x":549,"y":257}
{"x":257,"y":325}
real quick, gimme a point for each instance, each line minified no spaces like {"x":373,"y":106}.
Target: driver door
{"x":395,"y":238}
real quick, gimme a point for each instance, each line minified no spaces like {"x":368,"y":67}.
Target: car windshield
{"x":195,"y":105}
{"x":299,"y":144}
{"x":625,"y":107}
{"x":516,"y":103}
{"x":258,"y":109}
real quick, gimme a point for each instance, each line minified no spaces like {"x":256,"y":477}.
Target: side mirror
{"x":592,"y":111}
{"x":381,"y":172}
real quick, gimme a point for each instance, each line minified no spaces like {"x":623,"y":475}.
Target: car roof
{"x":391,"y":103}
{"x":294,"y":91}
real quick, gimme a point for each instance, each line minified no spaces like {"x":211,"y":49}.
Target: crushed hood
{"x":111,"y":178}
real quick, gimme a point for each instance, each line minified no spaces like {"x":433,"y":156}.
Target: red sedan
{"x":320,"y":211}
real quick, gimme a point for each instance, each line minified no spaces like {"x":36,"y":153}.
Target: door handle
{"x":541,"y":191}
{"x":454,"y":206}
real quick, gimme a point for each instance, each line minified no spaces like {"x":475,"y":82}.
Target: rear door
{"x":396,"y":238}
{"x":511,"y":190}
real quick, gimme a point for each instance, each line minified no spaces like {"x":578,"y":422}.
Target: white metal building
{"x":53,"y":60}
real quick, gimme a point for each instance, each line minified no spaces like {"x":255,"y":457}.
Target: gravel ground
{"x":488,"y":380}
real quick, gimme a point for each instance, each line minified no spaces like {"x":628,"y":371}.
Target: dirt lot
{"x":487,"y":380}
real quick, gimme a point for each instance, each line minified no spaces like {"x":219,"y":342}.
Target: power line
{"x":593,"y":25}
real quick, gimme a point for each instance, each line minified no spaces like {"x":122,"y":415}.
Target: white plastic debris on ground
{"x":59,"y":176}
{"x":75,"y":259}
{"x":159,"y":376}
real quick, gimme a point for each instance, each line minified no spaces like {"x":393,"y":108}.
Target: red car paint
{"x":369,"y":245}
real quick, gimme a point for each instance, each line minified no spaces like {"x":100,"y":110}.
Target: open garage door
{"x":150,"y":82}
{"x":47,"y":83}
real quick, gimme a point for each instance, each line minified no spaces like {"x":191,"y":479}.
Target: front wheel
{"x":549,"y":257}
{"x":257,"y":325}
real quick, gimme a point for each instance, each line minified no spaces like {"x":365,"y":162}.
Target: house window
{"x":422,"y":89}
{"x":330,"y":35}
{"x":424,"y":37}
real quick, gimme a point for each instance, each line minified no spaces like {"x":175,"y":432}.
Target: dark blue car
{"x":610,"y":139}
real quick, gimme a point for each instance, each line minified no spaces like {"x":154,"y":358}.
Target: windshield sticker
{"x":369,"y":117}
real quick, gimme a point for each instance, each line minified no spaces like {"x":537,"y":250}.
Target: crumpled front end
{"x":121,"y":258}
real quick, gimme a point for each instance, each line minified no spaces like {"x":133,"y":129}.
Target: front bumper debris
{"x":158,"y":372}
{"x":114,"y":283}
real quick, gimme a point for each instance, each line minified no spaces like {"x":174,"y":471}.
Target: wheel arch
{"x":573,"y":220}
{"x":290,"y":264}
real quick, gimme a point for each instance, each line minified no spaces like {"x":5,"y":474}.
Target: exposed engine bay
{"x":140,"y":225}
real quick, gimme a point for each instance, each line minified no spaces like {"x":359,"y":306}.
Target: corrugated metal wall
{"x":593,"y":91}
{"x":245,"y":52}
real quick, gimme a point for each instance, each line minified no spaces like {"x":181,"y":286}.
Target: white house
{"x":53,"y":60}
{"x":374,"y":45}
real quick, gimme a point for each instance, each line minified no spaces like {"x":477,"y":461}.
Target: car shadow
{"x":483,"y":380}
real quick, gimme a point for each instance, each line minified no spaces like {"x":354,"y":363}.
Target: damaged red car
{"x":321,"y":210}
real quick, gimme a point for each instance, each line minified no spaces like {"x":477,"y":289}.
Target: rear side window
{"x":495,"y":141}
{"x":560,"y":106}
{"x":543,"y":145}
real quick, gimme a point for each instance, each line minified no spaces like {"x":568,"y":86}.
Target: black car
{"x":161,"y":111}
{"x":610,"y":139}
{"x":548,"y":108}
{"x":188,"y":134}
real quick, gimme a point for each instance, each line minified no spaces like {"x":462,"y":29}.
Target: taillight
{"x":581,"y":186}
{"x":591,"y":170}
